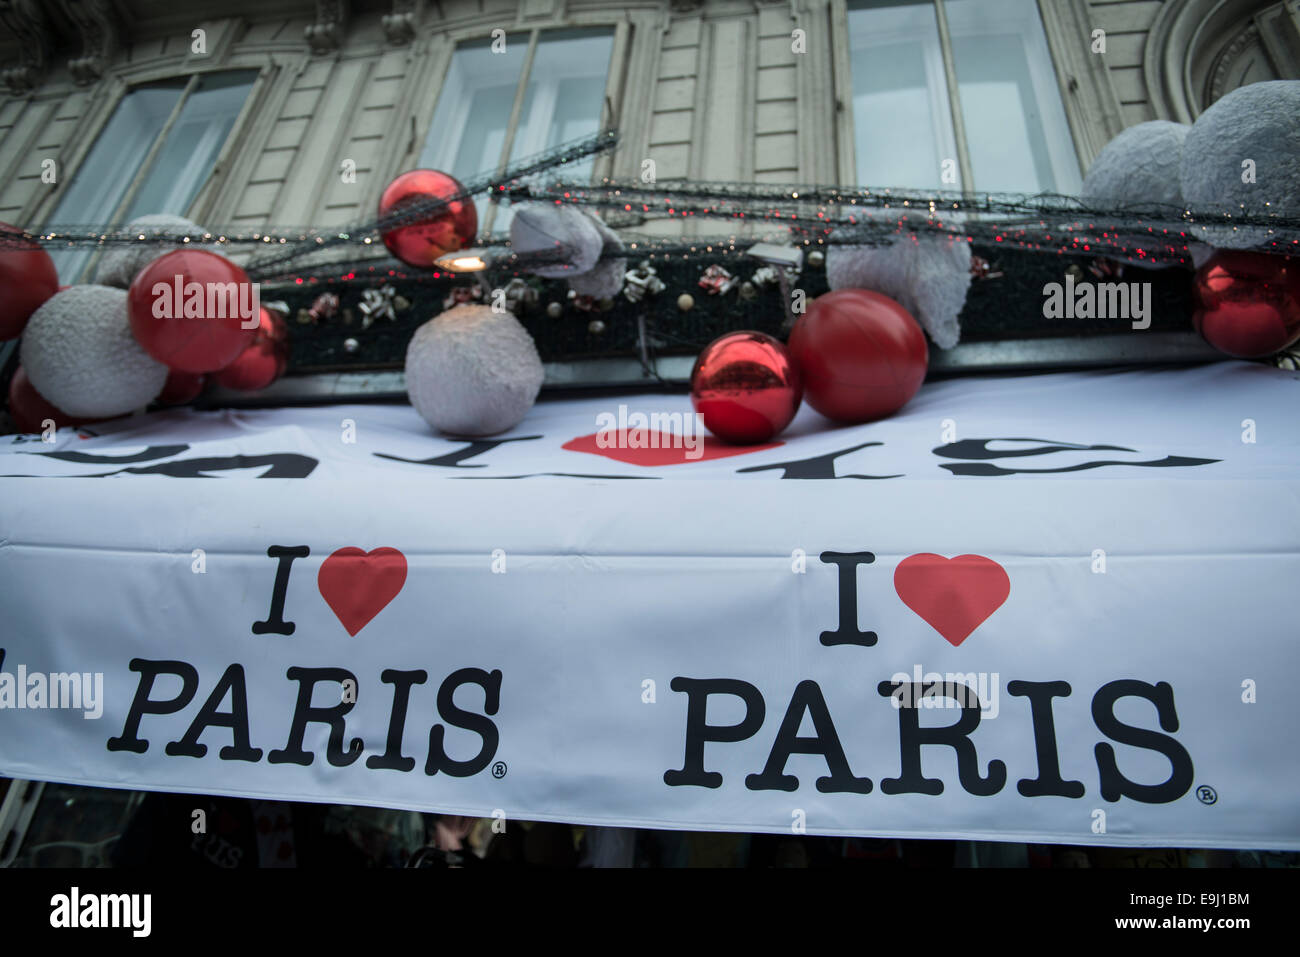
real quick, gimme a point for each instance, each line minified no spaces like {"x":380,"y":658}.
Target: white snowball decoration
{"x":80,"y":355}
{"x":1138,"y":167}
{"x":605,"y":281}
{"x":537,"y":226}
{"x":1260,"y":123}
{"x":929,"y":278}
{"x":119,"y":264}
{"x":472,"y":371}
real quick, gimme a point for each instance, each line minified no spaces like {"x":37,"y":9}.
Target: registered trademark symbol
{"x":499,"y":770}
{"x":1206,"y":794}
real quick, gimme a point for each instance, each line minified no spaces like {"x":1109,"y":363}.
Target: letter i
{"x":275,"y":623}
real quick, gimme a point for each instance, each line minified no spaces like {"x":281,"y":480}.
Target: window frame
{"x":108,"y":96}
{"x":631,"y":68}
{"x":1092,"y":109}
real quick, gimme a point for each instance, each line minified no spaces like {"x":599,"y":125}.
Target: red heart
{"x":358,"y":585}
{"x":954,"y":596}
{"x":670,"y":448}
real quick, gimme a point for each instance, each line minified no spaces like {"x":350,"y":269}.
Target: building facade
{"x":241,"y":114}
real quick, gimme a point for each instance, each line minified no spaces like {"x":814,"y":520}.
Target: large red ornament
{"x":746,"y":387}
{"x":862,"y":355}
{"x":188,"y":310}
{"x":450,"y":227}
{"x":27,"y":279}
{"x":181,"y":387}
{"x":262,"y":362}
{"x":29,"y":409}
{"x":1248,"y":304}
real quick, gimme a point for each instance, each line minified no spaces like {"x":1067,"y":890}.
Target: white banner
{"x":938,"y":644}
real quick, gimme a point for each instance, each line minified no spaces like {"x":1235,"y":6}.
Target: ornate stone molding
{"x":26,"y":20}
{"x":96,"y":23}
{"x":399,"y":26}
{"x":1219,"y":77}
{"x":326,"y":34}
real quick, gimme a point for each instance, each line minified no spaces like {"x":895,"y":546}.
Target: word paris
{"x":656,"y":430}
{"x":179,"y":299}
{"x":1104,"y":300}
{"x":326,"y":695}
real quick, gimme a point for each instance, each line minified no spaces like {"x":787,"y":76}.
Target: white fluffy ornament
{"x":119,"y":264}
{"x":80,"y":355}
{"x":605,"y":281}
{"x":538,"y":227}
{"x":472,"y":371}
{"x":1245,"y":151}
{"x":1139,"y":167}
{"x":928,"y":276}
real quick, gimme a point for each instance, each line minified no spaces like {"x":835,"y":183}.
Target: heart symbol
{"x":358,"y":585}
{"x":954,"y":596}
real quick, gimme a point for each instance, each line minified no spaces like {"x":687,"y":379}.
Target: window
{"x":1007,"y":130}
{"x":552,"y":81}
{"x":153,"y":156}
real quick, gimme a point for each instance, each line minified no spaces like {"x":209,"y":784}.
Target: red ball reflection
{"x":1247,"y":303}
{"x":422,"y":243}
{"x":746,"y":387}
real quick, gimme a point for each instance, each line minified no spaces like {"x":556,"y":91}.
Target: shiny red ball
{"x":181,"y":387}
{"x":189,"y":309}
{"x":1248,"y":304}
{"x":263,"y":361}
{"x":29,"y":409}
{"x":449,"y":228}
{"x":746,"y":387}
{"x":27,"y":279}
{"x":862,"y":355}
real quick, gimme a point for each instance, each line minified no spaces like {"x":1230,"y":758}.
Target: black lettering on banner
{"x":1049,"y":781}
{"x":978,"y":449}
{"x":142,"y":704}
{"x":808,"y":698}
{"x":392,"y":758}
{"x":847,"y":633}
{"x":699,"y":731}
{"x":1113,"y":784}
{"x":89,"y":458}
{"x":452,"y":460}
{"x":912,"y":737}
{"x":275,"y":623}
{"x":457,"y":717}
{"x":304,"y":714}
{"x":818,"y":467}
{"x":282,"y":465}
{"x":236,"y":719}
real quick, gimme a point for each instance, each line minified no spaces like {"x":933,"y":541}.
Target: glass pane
{"x":566,"y":90}
{"x":901,"y":124}
{"x":1016,"y":129}
{"x":102,"y":178}
{"x":468,"y":131}
{"x":186,"y":159}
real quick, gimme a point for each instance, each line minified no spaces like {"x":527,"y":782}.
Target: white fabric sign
{"x":1044,"y":608}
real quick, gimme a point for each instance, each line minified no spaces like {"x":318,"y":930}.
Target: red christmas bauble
{"x":1248,"y":304}
{"x":188,"y":309}
{"x":746,"y":387}
{"x":263,"y":361}
{"x":450,"y":227}
{"x":28,"y":408}
{"x":181,"y":387}
{"x":862,"y":355}
{"x":27,"y":278}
